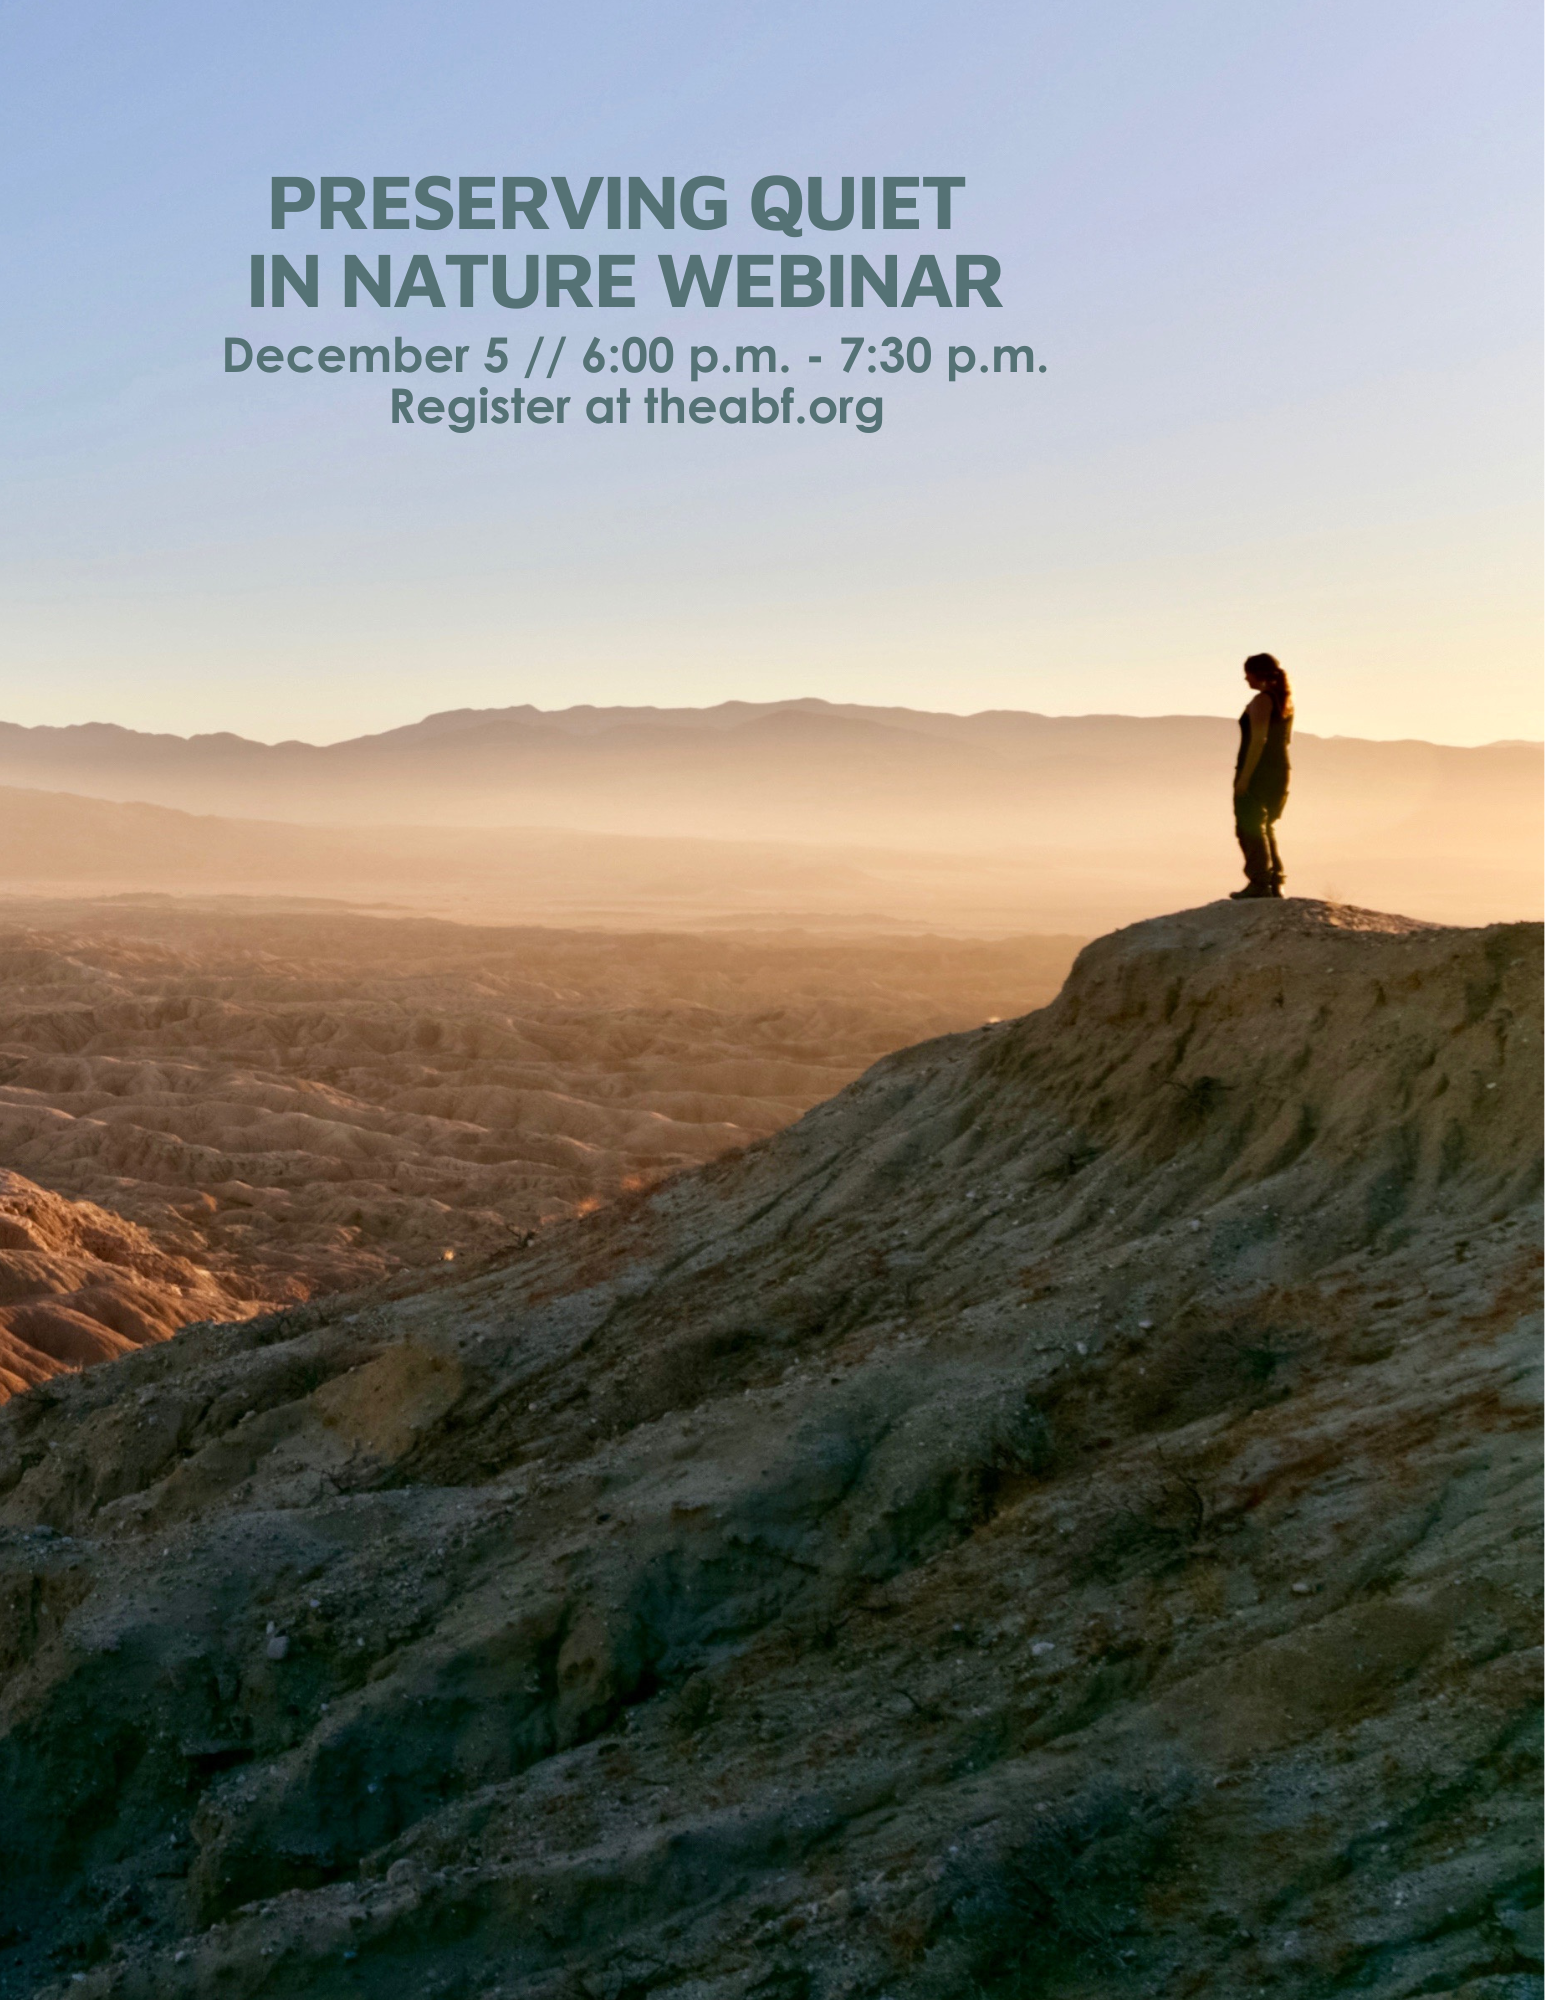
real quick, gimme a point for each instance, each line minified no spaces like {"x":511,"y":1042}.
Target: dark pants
{"x":1255,"y":823}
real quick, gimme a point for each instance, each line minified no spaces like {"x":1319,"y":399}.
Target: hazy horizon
{"x":991,"y":824}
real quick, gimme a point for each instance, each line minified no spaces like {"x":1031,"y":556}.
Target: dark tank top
{"x":1269,"y":779}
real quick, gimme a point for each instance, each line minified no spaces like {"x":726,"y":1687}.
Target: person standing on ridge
{"x":1261,"y":775}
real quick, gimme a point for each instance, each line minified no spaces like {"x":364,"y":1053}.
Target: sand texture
{"x":1059,"y":1520}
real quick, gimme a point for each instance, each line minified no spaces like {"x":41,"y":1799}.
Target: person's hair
{"x":1269,"y":669}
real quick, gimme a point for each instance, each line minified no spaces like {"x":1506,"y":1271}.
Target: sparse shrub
{"x":1203,"y":1365}
{"x":1059,"y":1893}
{"x":1201,"y":1096}
{"x":1071,"y":1161}
{"x":700,"y":1364}
{"x":693,"y":1704}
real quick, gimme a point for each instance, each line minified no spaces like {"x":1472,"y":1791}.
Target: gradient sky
{"x":1281,"y":262}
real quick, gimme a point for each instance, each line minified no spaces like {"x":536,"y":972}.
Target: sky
{"x":1280,"y":265}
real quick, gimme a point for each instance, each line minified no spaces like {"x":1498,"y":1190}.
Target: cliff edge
{"x":1061,"y":1519}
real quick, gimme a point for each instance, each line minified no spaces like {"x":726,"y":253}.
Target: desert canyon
{"x":608,"y":1399}
{"x":242,"y":1110}
{"x":1060,"y":1519}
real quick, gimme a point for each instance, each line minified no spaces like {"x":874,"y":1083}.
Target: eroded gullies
{"x":890,"y":1561}
{"x":282,"y":1106}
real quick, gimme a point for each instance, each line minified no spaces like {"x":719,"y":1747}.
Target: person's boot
{"x":1251,"y":892}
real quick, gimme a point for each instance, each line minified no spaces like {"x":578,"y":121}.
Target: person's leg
{"x":1250,"y":831}
{"x":1278,"y":875}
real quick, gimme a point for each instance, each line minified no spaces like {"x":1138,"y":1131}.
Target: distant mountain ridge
{"x":471,"y":766}
{"x":1448,"y":832}
{"x":586,"y":719}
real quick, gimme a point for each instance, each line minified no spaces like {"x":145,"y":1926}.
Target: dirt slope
{"x":1059,"y":1520}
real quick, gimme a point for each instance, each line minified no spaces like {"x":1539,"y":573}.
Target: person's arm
{"x":1259,"y":713}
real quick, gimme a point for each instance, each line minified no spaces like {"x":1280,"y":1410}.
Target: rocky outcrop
{"x":1059,"y":1519}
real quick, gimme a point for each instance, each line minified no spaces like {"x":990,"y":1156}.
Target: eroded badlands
{"x":288,"y":1104}
{"x":1062,"y":1520}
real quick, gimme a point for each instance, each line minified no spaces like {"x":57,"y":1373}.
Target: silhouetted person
{"x":1261,"y":775}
